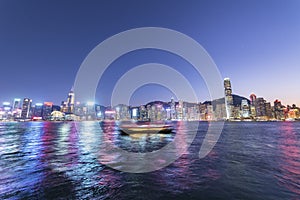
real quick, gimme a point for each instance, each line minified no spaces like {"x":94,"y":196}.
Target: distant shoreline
{"x":237,"y":121}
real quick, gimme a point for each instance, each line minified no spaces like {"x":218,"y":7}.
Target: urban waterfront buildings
{"x":231,"y":107}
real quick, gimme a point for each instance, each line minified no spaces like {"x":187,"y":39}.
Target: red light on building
{"x":48,"y":103}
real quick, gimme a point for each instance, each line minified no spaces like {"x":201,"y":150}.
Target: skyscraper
{"x":17,"y":104}
{"x":69,"y":105}
{"x":26,"y":108}
{"x":47,"y":110}
{"x":252,"y":99}
{"x":172,"y":107}
{"x":38,"y":111}
{"x":228,"y":98}
{"x":71,"y":101}
{"x":278,"y":110}
{"x":245,"y":108}
{"x":253,"y":105}
{"x":263,"y":109}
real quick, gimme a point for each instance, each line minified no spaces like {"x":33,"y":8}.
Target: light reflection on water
{"x":45,"y":160}
{"x":289,"y":145}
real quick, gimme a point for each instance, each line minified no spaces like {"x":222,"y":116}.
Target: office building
{"x":71,"y":101}
{"x":278,"y":110}
{"x":252,"y":99}
{"x":17,"y":104}
{"x":228,"y":98}
{"x":37,"y":112}
{"x":245,"y":110}
{"x":47,"y":110}
{"x":26,"y":108}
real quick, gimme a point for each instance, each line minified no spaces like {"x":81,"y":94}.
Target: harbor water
{"x":59,"y":160}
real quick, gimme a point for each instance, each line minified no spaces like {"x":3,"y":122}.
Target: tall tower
{"x":17,"y":104}
{"x":26,"y":108}
{"x":252,"y":99}
{"x":71,"y":101}
{"x":253,"y":105}
{"x":173,"y":110}
{"x":228,"y":98}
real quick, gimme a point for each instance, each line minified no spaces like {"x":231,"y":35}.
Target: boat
{"x":145,"y":128}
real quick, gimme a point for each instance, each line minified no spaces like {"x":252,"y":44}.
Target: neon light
{"x":110,"y":112}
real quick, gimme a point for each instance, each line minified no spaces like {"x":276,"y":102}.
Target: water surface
{"x":47,"y":160}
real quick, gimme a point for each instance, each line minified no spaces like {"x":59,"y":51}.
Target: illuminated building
{"x":47,"y":110}
{"x":71,"y":101}
{"x":252,"y":99}
{"x":6,"y":106}
{"x":245,"y":109}
{"x":236,"y":114}
{"x":180,"y":110}
{"x":191,"y":111}
{"x":6,"y":111}
{"x":293,"y":113}
{"x":57,"y":116}
{"x":252,"y":112}
{"x":172,"y":109}
{"x":203,"y":111}
{"x":37,"y":111}
{"x":269,"y":112}
{"x":220,"y":111}
{"x":210,"y":113}
{"x":278,"y":110}
{"x":17,"y":104}
{"x":69,"y":105}
{"x":135,"y":113}
{"x":91,"y":111}
{"x":64,"y":108}
{"x":260,"y":107}
{"x":143,"y":113}
{"x":17,"y":108}
{"x":100,"y":110}
{"x":26,"y":108}
{"x":263,"y":109}
{"x":122,"y":112}
{"x":228,"y":98}
{"x":252,"y":106}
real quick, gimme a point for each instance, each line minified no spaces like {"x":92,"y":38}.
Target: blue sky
{"x":255,"y":43}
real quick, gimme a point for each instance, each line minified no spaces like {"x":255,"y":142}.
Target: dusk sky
{"x":255,"y":43}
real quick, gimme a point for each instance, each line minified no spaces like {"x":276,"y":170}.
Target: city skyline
{"x":256,"y":44}
{"x":231,"y":107}
{"x":10,"y":101}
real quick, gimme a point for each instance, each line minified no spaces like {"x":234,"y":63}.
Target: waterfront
{"x":50,"y":160}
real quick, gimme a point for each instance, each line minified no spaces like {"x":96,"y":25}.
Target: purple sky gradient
{"x":255,"y":43}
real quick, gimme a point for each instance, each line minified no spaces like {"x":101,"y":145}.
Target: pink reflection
{"x":181,"y":142}
{"x":184,"y":172}
{"x":73,"y":152}
{"x":47,"y":142}
{"x":107,"y":140}
{"x":290,"y":155}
